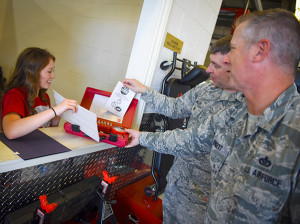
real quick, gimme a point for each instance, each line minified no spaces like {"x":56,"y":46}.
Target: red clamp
{"x":107,"y":178}
{"x":45,"y":204}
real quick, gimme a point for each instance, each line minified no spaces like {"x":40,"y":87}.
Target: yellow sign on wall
{"x":173,"y":43}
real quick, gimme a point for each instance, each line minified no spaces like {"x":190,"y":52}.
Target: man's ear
{"x":262,"y":49}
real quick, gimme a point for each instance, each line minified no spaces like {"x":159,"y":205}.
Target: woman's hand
{"x":64,"y":106}
{"x":59,"y":109}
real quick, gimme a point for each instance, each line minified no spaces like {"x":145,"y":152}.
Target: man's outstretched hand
{"x":134,"y":85}
{"x":133,"y":139}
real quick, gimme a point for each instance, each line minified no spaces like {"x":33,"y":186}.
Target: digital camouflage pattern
{"x":188,"y":187}
{"x":255,"y":165}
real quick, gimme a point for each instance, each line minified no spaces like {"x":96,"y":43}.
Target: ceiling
{"x":226,"y":18}
{"x":266,"y":4}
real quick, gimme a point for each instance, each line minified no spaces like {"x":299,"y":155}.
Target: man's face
{"x":240,"y":60}
{"x":219,"y":71}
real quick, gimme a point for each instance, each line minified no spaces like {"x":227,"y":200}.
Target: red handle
{"x":45,"y":204}
{"x":107,"y":178}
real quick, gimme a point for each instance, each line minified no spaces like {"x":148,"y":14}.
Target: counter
{"x":10,"y":161}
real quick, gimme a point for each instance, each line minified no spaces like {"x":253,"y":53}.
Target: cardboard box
{"x":111,"y":132}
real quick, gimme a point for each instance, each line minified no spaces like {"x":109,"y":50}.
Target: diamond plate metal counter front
{"x":22,"y":187}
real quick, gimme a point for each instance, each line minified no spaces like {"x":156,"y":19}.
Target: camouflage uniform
{"x":188,"y":187}
{"x":255,"y":165}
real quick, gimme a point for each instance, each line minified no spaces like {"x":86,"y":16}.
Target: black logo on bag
{"x":265,"y":161}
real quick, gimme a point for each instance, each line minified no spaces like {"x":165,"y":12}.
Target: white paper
{"x":119,"y":100}
{"x":97,"y":107}
{"x":86,"y":119}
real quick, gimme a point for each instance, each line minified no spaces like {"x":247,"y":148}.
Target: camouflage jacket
{"x":191,"y":169}
{"x":255,"y":165}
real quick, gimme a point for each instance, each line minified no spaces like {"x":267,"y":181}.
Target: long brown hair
{"x":26,"y":74}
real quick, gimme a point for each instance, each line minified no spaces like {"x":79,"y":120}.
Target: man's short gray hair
{"x":279,"y":26}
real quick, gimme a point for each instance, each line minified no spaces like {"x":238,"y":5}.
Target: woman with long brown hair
{"x":25,"y":105}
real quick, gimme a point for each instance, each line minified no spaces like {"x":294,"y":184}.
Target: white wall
{"x":193,"y":22}
{"x":91,"y":39}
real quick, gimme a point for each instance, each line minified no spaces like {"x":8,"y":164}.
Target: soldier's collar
{"x":232,"y":96}
{"x":277,"y":110}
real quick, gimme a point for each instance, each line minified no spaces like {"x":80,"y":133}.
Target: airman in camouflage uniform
{"x":255,"y":155}
{"x":255,"y":164}
{"x":188,"y":187}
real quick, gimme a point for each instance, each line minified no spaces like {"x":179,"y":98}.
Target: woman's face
{"x":47,"y":75}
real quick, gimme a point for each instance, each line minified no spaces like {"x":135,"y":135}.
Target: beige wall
{"x":91,"y":39}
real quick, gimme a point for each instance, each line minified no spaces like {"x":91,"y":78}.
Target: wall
{"x":91,"y":39}
{"x":193,"y":22}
